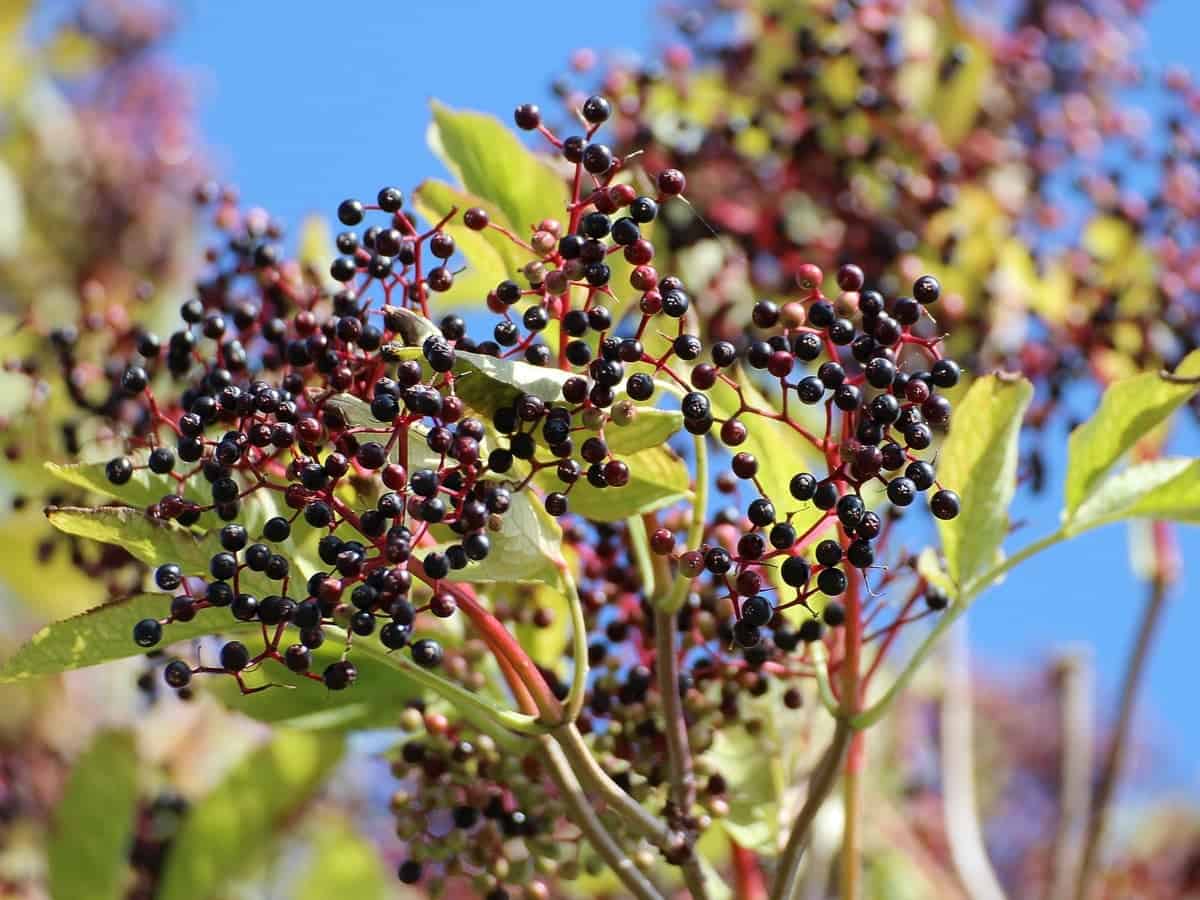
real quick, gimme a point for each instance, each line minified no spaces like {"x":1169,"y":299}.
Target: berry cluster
{"x":350,"y":468}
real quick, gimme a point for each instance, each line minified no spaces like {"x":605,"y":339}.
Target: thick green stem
{"x":601,"y":787}
{"x":585,"y":818}
{"x":852,"y":799}
{"x":579,"y":648}
{"x":824,"y":688}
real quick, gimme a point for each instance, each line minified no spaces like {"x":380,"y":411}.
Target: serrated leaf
{"x":490,"y":256}
{"x":93,"y":822}
{"x":492,"y":163}
{"x":344,"y":864}
{"x":150,"y":540}
{"x":104,"y":634}
{"x":1159,"y":489}
{"x":979,"y":461}
{"x":1129,"y":409}
{"x":658,"y":477}
{"x":651,"y":427}
{"x":143,"y":489}
{"x":232,"y":827}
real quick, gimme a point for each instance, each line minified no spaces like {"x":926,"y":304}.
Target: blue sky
{"x":303,"y":110}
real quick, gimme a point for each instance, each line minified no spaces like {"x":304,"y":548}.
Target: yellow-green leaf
{"x":1159,"y":489}
{"x":979,"y":461}
{"x":234,"y":826}
{"x":1129,"y":410}
{"x":527,"y":548}
{"x":105,"y":633}
{"x":93,"y":822}
{"x":489,"y":255}
{"x":658,"y":477}
{"x":491,"y":162}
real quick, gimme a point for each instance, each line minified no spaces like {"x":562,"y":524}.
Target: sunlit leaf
{"x":1129,"y":410}
{"x":491,"y":162}
{"x":979,"y":461}
{"x":1159,"y":489}
{"x":650,"y":427}
{"x":527,"y":548}
{"x":490,"y":256}
{"x":105,"y":634}
{"x":658,"y":477}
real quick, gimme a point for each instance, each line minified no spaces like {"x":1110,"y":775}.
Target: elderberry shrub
{"x":361,"y":472}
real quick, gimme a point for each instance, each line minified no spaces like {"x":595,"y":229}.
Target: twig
{"x":819,"y":787}
{"x":585,"y":817}
{"x":1114,"y":759}
{"x":680,"y":777}
{"x":963,"y":830}
{"x":1077,"y":718}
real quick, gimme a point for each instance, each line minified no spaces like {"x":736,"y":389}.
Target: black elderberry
{"x":340,"y":675}
{"x":177,"y":674}
{"x":831,"y":582}
{"x":944,"y":504}
{"x":795,"y":571}
{"x":803,"y":486}
{"x":147,"y":633}
{"x":427,"y":653}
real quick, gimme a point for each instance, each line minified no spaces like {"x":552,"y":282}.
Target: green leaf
{"x":344,"y":864}
{"x":93,"y":823}
{"x":142,"y":490}
{"x":150,"y":540}
{"x":781,"y":451}
{"x":491,"y":162}
{"x":754,"y":790}
{"x":155,"y":542}
{"x":105,"y":634}
{"x":527,"y":548}
{"x":487,"y":383}
{"x":979,"y":461}
{"x":1130,"y":409}
{"x":651,"y":427}
{"x":547,"y":646}
{"x":301,"y":703}
{"x":490,"y":256}
{"x":1159,"y":489}
{"x":232,"y":827}
{"x":657,"y":478}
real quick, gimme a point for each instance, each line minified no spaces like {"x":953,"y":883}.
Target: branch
{"x":873,"y":714}
{"x":1077,"y":719}
{"x":819,"y":786}
{"x":963,"y":831}
{"x":1114,"y":759}
{"x":584,"y":816}
{"x":680,"y":778}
